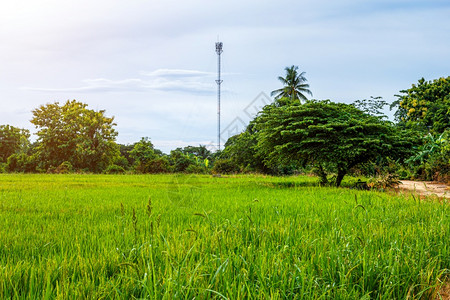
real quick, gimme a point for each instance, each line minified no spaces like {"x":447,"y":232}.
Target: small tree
{"x":143,"y":152}
{"x":330,"y":136}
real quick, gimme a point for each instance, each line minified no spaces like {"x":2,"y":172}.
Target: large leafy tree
{"x":294,"y":85}
{"x":73,"y":133}
{"x":12,"y":140}
{"x":425,"y":105}
{"x":330,"y":136}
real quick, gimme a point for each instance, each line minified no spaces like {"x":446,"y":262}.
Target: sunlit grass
{"x":181,"y":236}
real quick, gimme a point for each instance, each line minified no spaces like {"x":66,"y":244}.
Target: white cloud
{"x":164,"y":73}
{"x":182,"y":81}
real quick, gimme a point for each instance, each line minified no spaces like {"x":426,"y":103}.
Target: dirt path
{"x":426,"y":188}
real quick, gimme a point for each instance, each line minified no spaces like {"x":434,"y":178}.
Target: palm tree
{"x":294,"y":85}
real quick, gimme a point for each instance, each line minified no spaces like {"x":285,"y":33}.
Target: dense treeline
{"x":293,"y":134}
{"x":73,"y":138}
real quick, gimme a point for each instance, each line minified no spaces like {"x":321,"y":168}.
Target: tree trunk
{"x":340,"y":175}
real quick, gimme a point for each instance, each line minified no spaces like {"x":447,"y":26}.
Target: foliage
{"x":243,"y":237}
{"x":195,"y":169}
{"x":330,"y":136}
{"x":74,"y":133}
{"x":294,"y":86}
{"x":64,"y":168}
{"x":12,"y":141}
{"x":373,"y":106}
{"x":114,"y":169}
{"x":225,"y":166}
{"x":180,"y":161}
{"x":431,"y":160}
{"x":384,"y":181}
{"x":125,"y":160}
{"x":158,"y":165}
{"x":425,"y":106}
{"x":201,"y":152}
{"x":240,"y":150}
{"x":191,"y":159}
{"x":21,"y":162}
{"x":142,"y":153}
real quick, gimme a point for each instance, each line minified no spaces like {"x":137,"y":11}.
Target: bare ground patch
{"x":443,"y":293}
{"x":425,"y":188}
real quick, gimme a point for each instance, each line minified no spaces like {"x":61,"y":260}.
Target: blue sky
{"x":152,"y":64}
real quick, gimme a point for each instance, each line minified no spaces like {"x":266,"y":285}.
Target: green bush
{"x":122,"y":162}
{"x":225,"y":166}
{"x":383,"y":182}
{"x":157,"y":166}
{"x":64,"y":168}
{"x":21,"y":162}
{"x":115,"y":169}
{"x":182,"y":162}
{"x":195,"y":169}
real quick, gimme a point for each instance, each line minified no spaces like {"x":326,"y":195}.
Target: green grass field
{"x":181,"y":236}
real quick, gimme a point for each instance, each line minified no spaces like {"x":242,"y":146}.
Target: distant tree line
{"x":291,"y":135}
{"x":73,"y":138}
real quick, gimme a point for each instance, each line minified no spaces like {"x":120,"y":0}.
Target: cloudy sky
{"x":152,"y":64}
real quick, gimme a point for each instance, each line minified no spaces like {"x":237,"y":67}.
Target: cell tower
{"x":218,"y":81}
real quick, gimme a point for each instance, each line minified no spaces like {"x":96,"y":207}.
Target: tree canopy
{"x":425,"y":106}
{"x":73,"y":133}
{"x":241,"y":151}
{"x":330,"y":136}
{"x":295,"y":86}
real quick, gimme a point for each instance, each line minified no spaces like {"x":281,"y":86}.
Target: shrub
{"x":195,"y":169}
{"x":121,"y":161}
{"x":384,"y":182}
{"x":114,"y":169}
{"x":157,"y":165}
{"x":64,"y":168}
{"x":182,"y":163}
{"x":225,"y":166}
{"x":21,"y":162}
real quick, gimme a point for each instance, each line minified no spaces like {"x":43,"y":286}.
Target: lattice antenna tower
{"x":219,"y":82}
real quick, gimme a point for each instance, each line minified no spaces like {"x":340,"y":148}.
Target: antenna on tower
{"x":218,"y":81}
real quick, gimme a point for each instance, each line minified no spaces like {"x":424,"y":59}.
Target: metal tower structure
{"x":218,"y":81}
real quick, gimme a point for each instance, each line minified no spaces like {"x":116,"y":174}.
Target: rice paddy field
{"x":203,"y":237}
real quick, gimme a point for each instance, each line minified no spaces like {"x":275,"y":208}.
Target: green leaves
{"x":12,"y":140}
{"x":425,"y":106}
{"x":74,"y":133}
{"x":295,"y":86}
{"x":143,"y":152}
{"x":336,"y":136}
